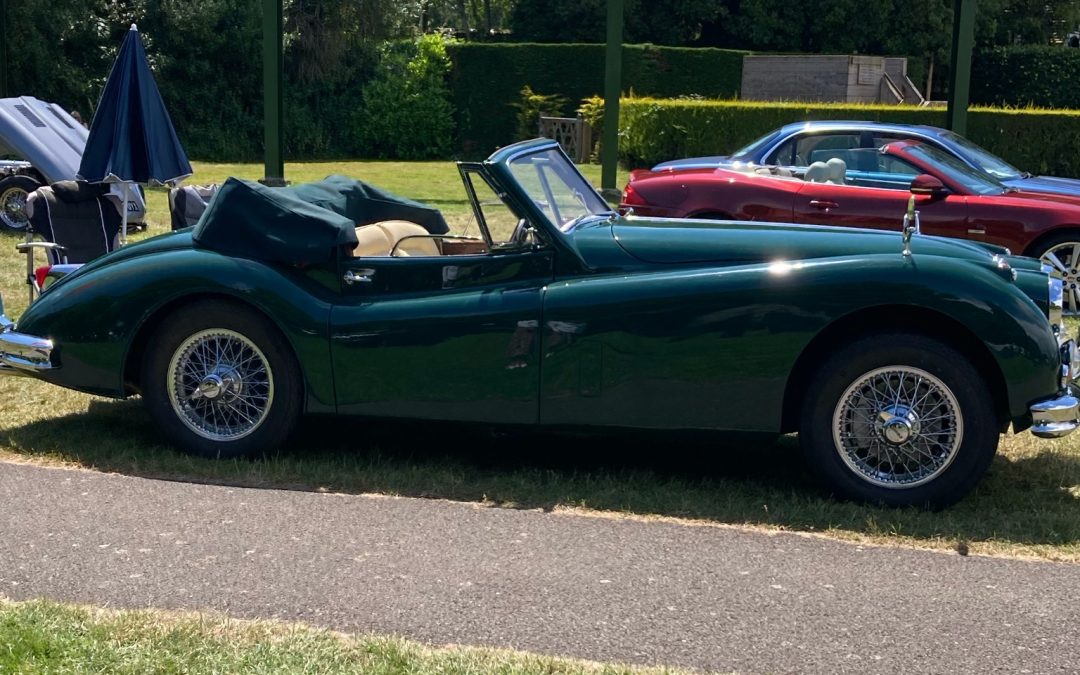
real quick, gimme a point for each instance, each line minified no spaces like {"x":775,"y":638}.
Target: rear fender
{"x":95,"y":316}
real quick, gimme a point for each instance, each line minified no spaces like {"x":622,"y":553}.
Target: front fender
{"x":94,"y":317}
{"x":1012,"y":327}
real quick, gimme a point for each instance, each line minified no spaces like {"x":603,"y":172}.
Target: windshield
{"x":750,"y":149}
{"x":952,"y":168}
{"x":992,"y":164}
{"x":557,"y":188}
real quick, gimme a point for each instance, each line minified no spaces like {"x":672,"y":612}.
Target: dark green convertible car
{"x":899,"y":363}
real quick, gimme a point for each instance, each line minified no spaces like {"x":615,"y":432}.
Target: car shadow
{"x":1033,"y":500}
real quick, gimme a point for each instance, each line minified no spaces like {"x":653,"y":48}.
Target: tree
{"x":669,"y":22}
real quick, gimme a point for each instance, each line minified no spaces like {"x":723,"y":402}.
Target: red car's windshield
{"x":949,"y":167}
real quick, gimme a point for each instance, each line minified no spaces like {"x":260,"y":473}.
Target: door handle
{"x":823,"y":205}
{"x":362,"y":276}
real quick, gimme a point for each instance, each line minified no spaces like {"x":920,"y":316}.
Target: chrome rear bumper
{"x":22,"y":354}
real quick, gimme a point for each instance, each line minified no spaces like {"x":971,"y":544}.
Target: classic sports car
{"x":866,"y":188}
{"x":898,"y":362}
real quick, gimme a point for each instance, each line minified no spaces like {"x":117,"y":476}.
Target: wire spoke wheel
{"x":13,"y":208}
{"x":897,"y":427}
{"x":220,"y":384}
{"x":1064,"y":258}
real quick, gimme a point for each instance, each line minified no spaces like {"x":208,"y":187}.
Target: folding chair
{"x":73,"y":222}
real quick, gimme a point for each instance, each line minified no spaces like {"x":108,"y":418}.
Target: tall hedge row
{"x":1045,"y":76}
{"x":486,"y":80}
{"x":654,"y":130}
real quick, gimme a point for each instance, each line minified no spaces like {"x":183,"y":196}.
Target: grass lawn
{"x":1028,"y":504}
{"x":46,"y":637}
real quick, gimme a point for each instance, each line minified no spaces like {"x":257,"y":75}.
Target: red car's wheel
{"x":1062,"y":252}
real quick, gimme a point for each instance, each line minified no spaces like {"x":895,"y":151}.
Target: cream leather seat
{"x":818,"y":172}
{"x":379,"y":239}
{"x":837,"y":170}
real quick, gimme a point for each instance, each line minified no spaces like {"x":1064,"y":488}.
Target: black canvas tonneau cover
{"x":364,"y":204}
{"x":304,"y":224}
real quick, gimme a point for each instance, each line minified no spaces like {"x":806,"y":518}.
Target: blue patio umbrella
{"x":132,"y":139}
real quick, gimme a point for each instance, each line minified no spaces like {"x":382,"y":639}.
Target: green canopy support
{"x":963,"y":41}
{"x":273,"y":87}
{"x":609,"y":150}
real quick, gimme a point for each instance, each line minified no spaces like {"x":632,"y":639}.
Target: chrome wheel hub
{"x":897,"y":427}
{"x":216,"y":385}
{"x":1065,"y":261}
{"x":220,"y":385}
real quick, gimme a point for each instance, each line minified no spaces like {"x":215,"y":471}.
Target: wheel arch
{"x":133,"y":360}
{"x":901,"y":318}
{"x":1055,"y":233}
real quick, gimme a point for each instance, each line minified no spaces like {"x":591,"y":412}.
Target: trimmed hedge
{"x":1044,"y":76}
{"x":486,"y":80}
{"x":655,"y":130}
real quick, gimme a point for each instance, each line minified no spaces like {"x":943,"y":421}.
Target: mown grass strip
{"x":42,"y":637}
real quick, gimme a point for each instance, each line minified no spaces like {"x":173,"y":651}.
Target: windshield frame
{"x":982,"y":157}
{"x":558,"y":192}
{"x":954,"y":170}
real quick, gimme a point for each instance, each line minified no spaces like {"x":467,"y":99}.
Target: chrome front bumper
{"x":22,"y":354}
{"x":1057,"y":417}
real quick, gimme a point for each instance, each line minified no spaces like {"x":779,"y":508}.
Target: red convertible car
{"x":869,"y":187}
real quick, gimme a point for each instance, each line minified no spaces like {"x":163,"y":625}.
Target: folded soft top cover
{"x":304,"y":224}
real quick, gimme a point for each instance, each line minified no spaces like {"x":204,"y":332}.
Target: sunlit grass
{"x":47,"y":637}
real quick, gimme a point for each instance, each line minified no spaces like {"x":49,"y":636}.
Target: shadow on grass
{"x":1031,"y":502}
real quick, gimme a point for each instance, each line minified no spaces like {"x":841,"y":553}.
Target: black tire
{"x":14,"y":191}
{"x":264,"y":408}
{"x":846,"y":437}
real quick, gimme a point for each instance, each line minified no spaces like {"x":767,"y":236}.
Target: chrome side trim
{"x":1055,"y":417}
{"x":1056,"y":313}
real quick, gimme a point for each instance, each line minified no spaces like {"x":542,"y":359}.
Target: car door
{"x":445,"y":336}
{"x":875,"y":196}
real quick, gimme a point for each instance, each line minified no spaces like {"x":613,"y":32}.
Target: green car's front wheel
{"x":899,"y":419}
{"x":221,"y":382}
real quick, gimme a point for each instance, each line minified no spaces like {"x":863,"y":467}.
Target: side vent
{"x":62,"y":120}
{"x":34,"y":119}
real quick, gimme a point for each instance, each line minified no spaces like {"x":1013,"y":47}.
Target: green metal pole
{"x":963,"y":41}
{"x":273,"y":85}
{"x":609,"y":150}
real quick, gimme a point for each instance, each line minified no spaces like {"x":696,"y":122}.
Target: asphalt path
{"x":609,"y":589}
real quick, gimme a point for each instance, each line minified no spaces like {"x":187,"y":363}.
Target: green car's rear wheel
{"x":899,"y":419}
{"x":221,"y":382}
